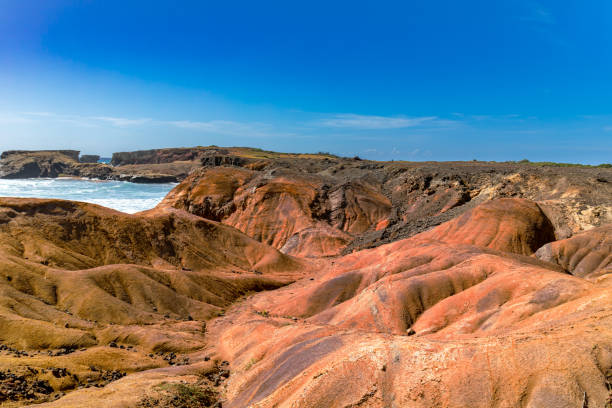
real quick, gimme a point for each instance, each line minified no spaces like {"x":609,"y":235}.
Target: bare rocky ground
{"x":268,"y":279}
{"x":334,"y":206}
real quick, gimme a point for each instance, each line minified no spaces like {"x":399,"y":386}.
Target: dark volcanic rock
{"x":212,"y":160}
{"x":149,"y":178}
{"x":89,"y":158}
{"x":309,"y":205}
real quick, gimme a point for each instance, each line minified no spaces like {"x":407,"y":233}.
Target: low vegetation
{"x":182,"y":395}
{"x":250,"y":364}
{"x":555,"y":164}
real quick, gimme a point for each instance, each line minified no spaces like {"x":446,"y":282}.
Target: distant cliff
{"x":157,"y":156}
{"x":143,"y":166}
{"x":71,"y":154}
{"x":16,"y":164}
{"x":89,"y":158}
{"x":20,"y":164}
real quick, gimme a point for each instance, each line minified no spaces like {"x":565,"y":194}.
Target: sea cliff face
{"x":267,"y":279}
{"x":63,"y":163}
{"x":70,"y":154}
{"x":50,"y":164}
{"x":89,"y":158}
{"x":146,"y":166}
{"x":157,"y":156}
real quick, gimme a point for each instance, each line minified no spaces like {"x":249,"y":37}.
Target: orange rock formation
{"x":433,"y":320}
{"x":267,"y":280}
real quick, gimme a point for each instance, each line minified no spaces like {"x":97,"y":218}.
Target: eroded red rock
{"x":299,"y":213}
{"x":510,"y":225}
{"x":433,"y":320}
{"x":587,"y":255}
{"x":76,"y":275}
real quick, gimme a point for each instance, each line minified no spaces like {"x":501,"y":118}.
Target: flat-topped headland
{"x":18,"y":164}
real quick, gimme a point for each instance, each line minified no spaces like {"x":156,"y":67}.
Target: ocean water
{"x":119,"y":195}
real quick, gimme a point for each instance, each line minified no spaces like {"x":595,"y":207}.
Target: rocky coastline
{"x":68,"y":163}
{"x":169,"y":165}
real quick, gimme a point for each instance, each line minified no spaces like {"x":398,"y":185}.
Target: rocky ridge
{"x":326,"y":206}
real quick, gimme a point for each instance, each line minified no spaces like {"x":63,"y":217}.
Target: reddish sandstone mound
{"x":388,"y":288}
{"x":440,"y":319}
{"x":509,"y":225}
{"x":316,"y":241}
{"x":77,"y":235}
{"x":587,"y":255}
{"x":76,"y":276}
{"x":300,"y":213}
{"x":276,"y":362}
{"x":129,"y":265}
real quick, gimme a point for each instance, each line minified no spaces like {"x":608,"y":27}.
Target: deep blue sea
{"x":120,"y":195}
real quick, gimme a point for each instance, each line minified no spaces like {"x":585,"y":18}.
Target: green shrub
{"x":181,"y":395}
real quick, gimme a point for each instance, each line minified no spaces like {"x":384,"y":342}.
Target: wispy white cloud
{"x":115,"y":121}
{"x":608,"y":128}
{"x":46,"y":114}
{"x":10,"y":119}
{"x":361,"y":127}
{"x":222,"y":127}
{"x":481,"y":117}
{"x":210,"y":126}
{"x":74,"y":120}
{"x":538,"y":14}
{"x":31,"y":117}
{"x":237,"y":128}
{"x":373,"y":122}
{"x":510,"y":117}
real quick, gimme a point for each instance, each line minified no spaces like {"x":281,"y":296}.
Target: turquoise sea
{"x":119,"y":195}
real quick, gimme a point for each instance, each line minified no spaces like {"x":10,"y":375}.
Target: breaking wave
{"x":119,"y":195}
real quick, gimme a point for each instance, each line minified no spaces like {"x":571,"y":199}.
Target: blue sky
{"x":411,"y":80}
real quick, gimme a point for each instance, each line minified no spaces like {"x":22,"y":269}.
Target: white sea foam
{"x":119,"y":195}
